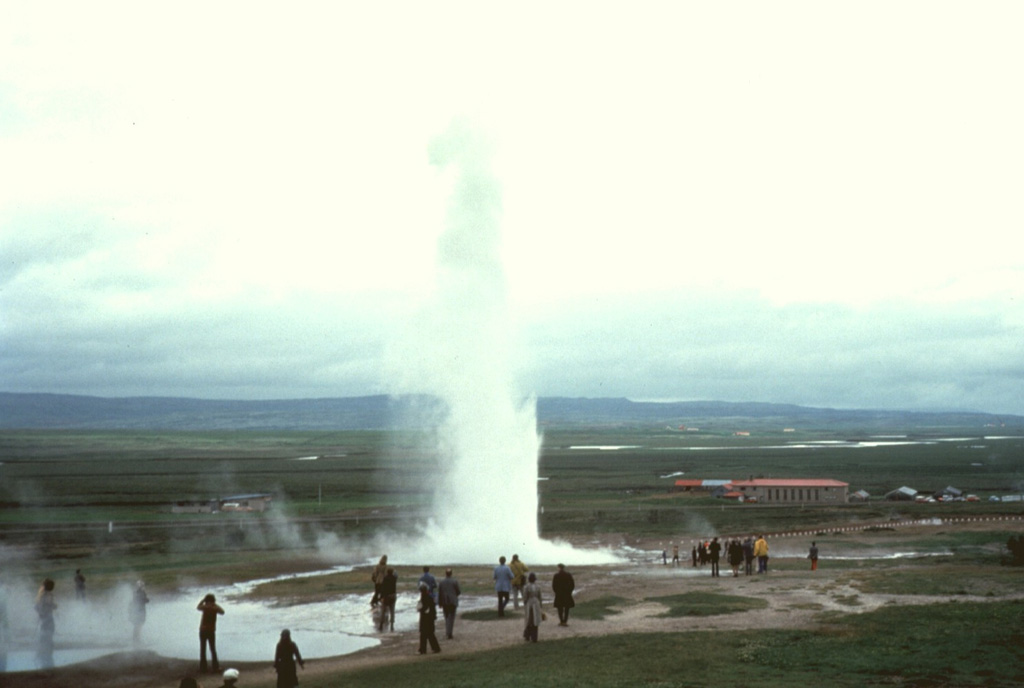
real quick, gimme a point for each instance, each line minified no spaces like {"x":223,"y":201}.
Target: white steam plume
{"x":486,"y":501}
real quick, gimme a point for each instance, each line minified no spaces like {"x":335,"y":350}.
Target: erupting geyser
{"x":486,"y":500}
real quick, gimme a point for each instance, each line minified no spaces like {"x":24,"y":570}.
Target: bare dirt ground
{"x":795,"y":600}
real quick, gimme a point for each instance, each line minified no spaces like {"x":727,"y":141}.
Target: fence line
{"x":930,"y":521}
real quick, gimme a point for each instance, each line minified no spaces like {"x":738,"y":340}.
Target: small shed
{"x":949,"y":492}
{"x":246,"y":502}
{"x":726,"y":491}
{"x":194,"y":507}
{"x":860,"y":496}
{"x":901,"y":494}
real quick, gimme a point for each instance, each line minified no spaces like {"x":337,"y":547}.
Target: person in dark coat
{"x":735,"y":554}
{"x":715,"y":553}
{"x":562,"y":584}
{"x":428,"y":615}
{"x":448,"y":592}
{"x":208,"y":631}
{"x":285,"y":657}
{"x":748,"y":555}
{"x":388,"y":591}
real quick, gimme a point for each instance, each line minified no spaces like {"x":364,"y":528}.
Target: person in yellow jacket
{"x":519,"y":570}
{"x":761,"y":552}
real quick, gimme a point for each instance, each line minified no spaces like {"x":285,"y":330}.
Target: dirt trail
{"x":794,"y":600}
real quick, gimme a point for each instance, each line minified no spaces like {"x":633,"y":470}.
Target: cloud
{"x":246,"y":205}
{"x":706,"y":344}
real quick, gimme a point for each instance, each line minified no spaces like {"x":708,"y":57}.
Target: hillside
{"x":61,"y":411}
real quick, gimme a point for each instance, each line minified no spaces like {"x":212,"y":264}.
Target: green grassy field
{"x":962,"y":644}
{"x":66,"y":483}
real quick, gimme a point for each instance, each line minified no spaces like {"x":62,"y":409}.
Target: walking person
{"x":761,"y":552}
{"x":79,"y":585}
{"x":675,"y":555}
{"x":286,"y":655}
{"x":519,"y":570}
{"x":813,"y":556}
{"x":428,"y":615}
{"x":562,"y":584}
{"x":388,"y":596}
{"x":533,"y":609}
{"x":137,"y":611}
{"x":208,"y":632}
{"x":715,"y":552}
{"x":502,"y":584}
{"x":448,"y":592}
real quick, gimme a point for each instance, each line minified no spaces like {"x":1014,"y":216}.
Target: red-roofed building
{"x":793,"y":491}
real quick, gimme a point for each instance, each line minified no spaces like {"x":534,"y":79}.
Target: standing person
{"x":45,"y":607}
{"x":448,"y":592}
{"x":431,"y":582}
{"x":285,"y":656}
{"x":388,"y":596}
{"x":748,"y":555}
{"x":715,"y":552}
{"x":137,"y":611}
{"x":675,"y":555}
{"x":693,"y":556}
{"x":428,"y":614}
{"x":208,"y":631}
{"x":502,"y":584}
{"x":519,"y":570}
{"x":761,"y":552}
{"x":532,"y":606}
{"x":735,"y":554}
{"x":79,"y":585}
{"x":813,"y":556}
{"x":377,"y":576}
{"x":5,"y":628}
{"x":562,"y":584}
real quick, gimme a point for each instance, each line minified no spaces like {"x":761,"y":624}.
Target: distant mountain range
{"x":72,"y":412}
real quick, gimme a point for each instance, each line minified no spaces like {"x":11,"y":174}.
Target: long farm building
{"x":793,"y":491}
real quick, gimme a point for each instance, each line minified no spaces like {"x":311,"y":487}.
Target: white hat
{"x":231,"y":675}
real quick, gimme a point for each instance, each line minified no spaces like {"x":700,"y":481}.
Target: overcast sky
{"x":812,"y":203}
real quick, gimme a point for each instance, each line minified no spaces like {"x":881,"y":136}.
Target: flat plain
{"x":101,"y":500}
